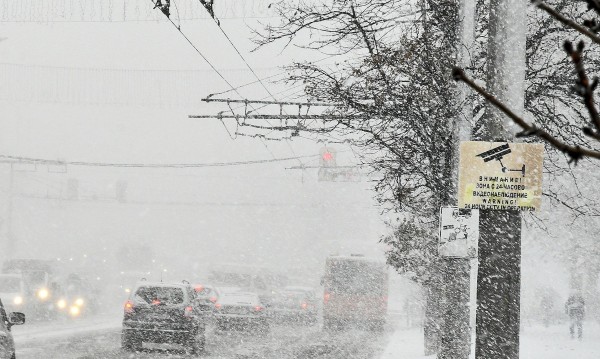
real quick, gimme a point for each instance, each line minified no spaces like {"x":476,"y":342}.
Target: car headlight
{"x":79,"y":302}
{"x":43,"y":293}
{"x":18,"y":300}
{"x":74,"y":310}
{"x":62,"y":304}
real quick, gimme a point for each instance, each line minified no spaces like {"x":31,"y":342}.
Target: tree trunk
{"x":456,"y":341}
{"x":431,"y":325}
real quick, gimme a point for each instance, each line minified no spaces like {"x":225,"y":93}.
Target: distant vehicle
{"x":78,"y":298}
{"x":241,"y":309}
{"x":298,"y":304}
{"x":207,"y":296}
{"x":163,"y":313}
{"x":41,"y":279}
{"x":128,"y":280}
{"x":7,"y":320}
{"x":249,"y":278}
{"x":12,"y":290}
{"x":207,"y":292}
{"x":355,"y":292}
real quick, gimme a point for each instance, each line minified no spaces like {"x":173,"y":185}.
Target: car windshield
{"x":10,"y":284}
{"x":160,"y":295}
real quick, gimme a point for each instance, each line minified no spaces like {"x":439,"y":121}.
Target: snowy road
{"x":97,"y":338}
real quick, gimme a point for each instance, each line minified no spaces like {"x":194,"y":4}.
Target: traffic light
{"x":328,"y":155}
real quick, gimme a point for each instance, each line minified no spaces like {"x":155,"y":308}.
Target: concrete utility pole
{"x":456,"y":329}
{"x":499,"y":272}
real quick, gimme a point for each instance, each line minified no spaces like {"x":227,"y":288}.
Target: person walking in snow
{"x":575,"y":308}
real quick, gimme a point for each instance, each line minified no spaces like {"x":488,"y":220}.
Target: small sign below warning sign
{"x":498,"y":175}
{"x":459,"y":232}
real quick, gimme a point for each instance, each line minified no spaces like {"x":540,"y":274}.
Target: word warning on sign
{"x":502,"y":176}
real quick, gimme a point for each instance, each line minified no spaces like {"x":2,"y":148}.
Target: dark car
{"x":7,"y":344}
{"x":297,"y":304}
{"x":241,"y":310}
{"x":207,"y":297}
{"x":163,"y":313}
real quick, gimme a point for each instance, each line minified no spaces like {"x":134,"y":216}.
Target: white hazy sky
{"x":90,"y":90}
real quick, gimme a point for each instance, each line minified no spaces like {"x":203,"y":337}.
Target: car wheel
{"x":327,"y":323}
{"x":312,"y":320}
{"x":197,"y":341}
{"x":264,"y":328}
{"x":130,"y":342}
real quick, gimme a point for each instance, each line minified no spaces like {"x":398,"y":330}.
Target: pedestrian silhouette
{"x":575,"y":308}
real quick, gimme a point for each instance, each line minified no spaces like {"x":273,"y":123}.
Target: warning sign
{"x":459,"y":232}
{"x":498,"y":175}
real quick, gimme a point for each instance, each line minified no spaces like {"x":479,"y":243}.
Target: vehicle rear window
{"x":160,"y":295}
{"x":357,"y":278}
{"x":10,"y":284}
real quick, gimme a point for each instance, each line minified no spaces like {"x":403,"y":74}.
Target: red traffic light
{"x":327,"y":156}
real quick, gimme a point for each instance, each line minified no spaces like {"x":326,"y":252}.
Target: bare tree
{"x":559,"y":119}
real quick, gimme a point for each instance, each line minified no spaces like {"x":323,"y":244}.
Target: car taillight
{"x":304,"y":305}
{"x":199,"y":288}
{"x":258,"y":308}
{"x":218,"y":306}
{"x":213,"y":299}
{"x":129,"y":307}
{"x":187,"y":312}
{"x":326,"y":297}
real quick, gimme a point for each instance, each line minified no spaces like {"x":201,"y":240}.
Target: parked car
{"x":7,"y":320}
{"x":163,"y":313}
{"x":240,"y":310}
{"x":296,"y":304}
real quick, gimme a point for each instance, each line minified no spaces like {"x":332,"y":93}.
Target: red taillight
{"x":218,"y":306}
{"x":128,"y":307}
{"x":155,"y":302}
{"x":213,"y":299}
{"x":326,"y":298}
{"x":304,"y":305}
{"x":258,"y":308}
{"x":199,"y":288}
{"x":187,"y":312}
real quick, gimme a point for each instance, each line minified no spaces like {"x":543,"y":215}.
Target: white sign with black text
{"x":459,"y":232}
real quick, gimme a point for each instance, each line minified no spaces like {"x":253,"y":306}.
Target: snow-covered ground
{"x":537,"y":342}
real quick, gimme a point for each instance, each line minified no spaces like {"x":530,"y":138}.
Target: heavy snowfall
{"x":364,"y":179}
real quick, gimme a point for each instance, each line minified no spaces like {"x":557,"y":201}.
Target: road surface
{"x":100,"y":338}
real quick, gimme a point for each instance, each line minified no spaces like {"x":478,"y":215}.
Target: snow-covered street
{"x":95,"y":338}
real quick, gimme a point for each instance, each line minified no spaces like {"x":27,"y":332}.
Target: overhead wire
{"x":22,"y":159}
{"x":178,"y":27}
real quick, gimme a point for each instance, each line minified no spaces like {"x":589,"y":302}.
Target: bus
{"x":355,"y":291}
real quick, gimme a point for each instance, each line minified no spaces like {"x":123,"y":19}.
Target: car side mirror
{"x":16,"y":318}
